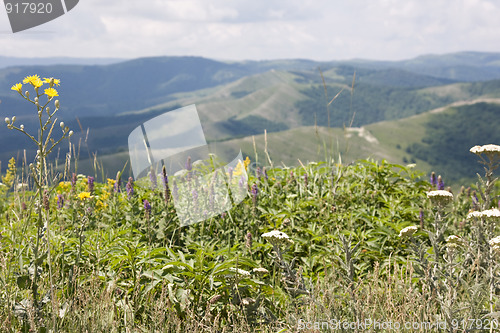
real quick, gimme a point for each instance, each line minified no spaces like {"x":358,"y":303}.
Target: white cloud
{"x":241,"y":29}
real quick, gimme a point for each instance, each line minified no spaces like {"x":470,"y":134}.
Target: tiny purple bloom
{"x":130,"y":187}
{"x":440,"y":183}
{"x":60,"y":201}
{"x":147,"y":206}
{"x":90,"y":182}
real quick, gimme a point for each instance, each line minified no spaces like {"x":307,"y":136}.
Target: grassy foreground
{"x":120,"y":262}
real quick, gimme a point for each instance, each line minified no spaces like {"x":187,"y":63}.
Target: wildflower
{"x":490,"y":214}
{"x":37,"y":83}
{"x":90,"y":182}
{"x":474,"y":214}
{"x":17,"y":87}
{"x":248,"y":239}
{"x":84,"y":195}
{"x":51,"y":92}
{"x":260,"y":271}
{"x":111,"y":182}
{"x":239,"y":271}
{"x":492,"y":151}
{"x":147,"y":207}
{"x":440,"y":197}
{"x":408,"y":231}
{"x":247,"y":163}
{"x":421,"y":217}
{"x":255,"y":192}
{"x":242,"y":181}
{"x":433,"y":179}
{"x":130,"y":187}
{"x":454,"y":240}
{"x":30,"y":79}
{"x":51,"y":81}
{"x":276,"y":237}
{"x":258,"y":173}
{"x":440,"y":186}
{"x":60,"y":201}
{"x":495,"y":243}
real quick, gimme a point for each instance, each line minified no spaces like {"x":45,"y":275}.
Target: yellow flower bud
{"x":56,"y":103}
{"x":7,"y":120}
{"x":61,"y":124}
{"x":14,"y":119}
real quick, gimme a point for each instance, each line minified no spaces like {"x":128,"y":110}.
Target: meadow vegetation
{"x":369,"y":242}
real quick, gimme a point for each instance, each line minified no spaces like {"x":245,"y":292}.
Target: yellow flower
{"x":63,"y":187}
{"x":238,"y":171}
{"x":37,"y":83}
{"x":84,"y":195}
{"x":111,"y":182}
{"x":30,"y":79}
{"x":17,"y":87}
{"x":49,"y":79}
{"x":51,"y":92}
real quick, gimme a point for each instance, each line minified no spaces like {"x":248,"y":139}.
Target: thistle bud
{"x":61,"y":124}
{"x":56,"y":103}
{"x":7,"y":120}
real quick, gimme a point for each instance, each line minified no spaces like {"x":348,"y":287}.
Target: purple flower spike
{"x":60,"y":201}
{"x":189,"y":167}
{"x":433,"y":180}
{"x":147,"y":206}
{"x":440,"y":183}
{"x":90,"y":183}
{"x":130,"y":187}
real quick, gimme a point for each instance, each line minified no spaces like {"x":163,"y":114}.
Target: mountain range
{"x":104,"y":100}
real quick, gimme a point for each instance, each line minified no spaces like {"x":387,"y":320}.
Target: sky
{"x":261,"y":29}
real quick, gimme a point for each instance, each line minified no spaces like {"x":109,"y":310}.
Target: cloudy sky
{"x":262,"y":29}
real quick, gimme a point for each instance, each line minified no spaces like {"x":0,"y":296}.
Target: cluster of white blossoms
{"x":408,"y":231}
{"x":239,"y":271}
{"x":440,"y":197}
{"x":276,"y":237}
{"x":489,"y":214}
{"x":495,"y":243}
{"x":488,"y":149}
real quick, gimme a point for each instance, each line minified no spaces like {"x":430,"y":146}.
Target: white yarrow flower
{"x":474,"y":214}
{"x":239,"y":271}
{"x":492,"y":214}
{"x":495,"y":243}
{"x":492,"y":151}
{"x":440,"y":197}
{"x":276,"y":236}
{"x":408,"y":231}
